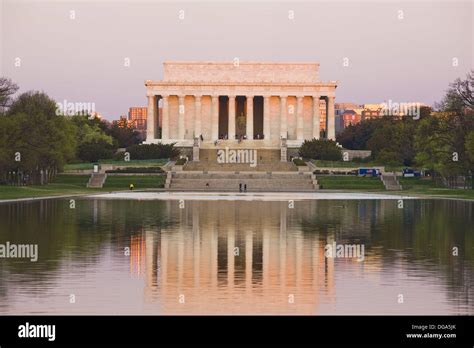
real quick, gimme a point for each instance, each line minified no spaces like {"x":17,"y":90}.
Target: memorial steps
{"x":269,"y":174}
{"x":266,"y":160}
{"x":229,"y":181}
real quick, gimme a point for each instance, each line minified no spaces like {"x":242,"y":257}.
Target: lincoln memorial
{"x":260,"y":104}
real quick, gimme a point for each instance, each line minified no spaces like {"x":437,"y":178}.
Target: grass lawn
{"x":350,"y":183}
{"x":139,"y":182}
{"x":416,"y":183}
{"x":63,"y":185}
{"x":427,"y":187}
{"x":136,"y":163}
{"x":76,"y":184}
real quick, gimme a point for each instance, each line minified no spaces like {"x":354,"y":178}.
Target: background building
{"x":259,"y":102}
{"x":350,"y":117}
{"x":137,"y":117}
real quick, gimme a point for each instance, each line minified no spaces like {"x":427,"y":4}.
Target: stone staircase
{"x":227,"y":181}
{"x":390,"y":182}
{"x":268,"y":160}
{"x":97,"y":180}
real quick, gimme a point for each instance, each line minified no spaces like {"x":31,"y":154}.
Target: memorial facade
{"x":259,"y":103}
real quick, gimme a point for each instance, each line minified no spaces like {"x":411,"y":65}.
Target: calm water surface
{"x":248,"y":257}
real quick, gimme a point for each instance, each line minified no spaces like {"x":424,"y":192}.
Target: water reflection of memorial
{"x":247,"y":251}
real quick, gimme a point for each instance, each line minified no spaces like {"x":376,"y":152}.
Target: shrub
{"x":94,"y":151}
{"x":157,"y":170}
{"x":321,"y":149}
{"x":153,"y":151}
{"x":299,"y":162}
{"x":181,"y":161}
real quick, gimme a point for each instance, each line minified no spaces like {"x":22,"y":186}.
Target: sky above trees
{"x":78,"y":51}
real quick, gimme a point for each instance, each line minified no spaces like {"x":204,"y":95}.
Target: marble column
{"x":331,"y":119}
{"x":249,"y":117}
{"x":181,"y":117}
{"x":150,"y":118}
{"x":299,"y":119}
{"x":231,"y":117}
{"x":266,"y":117}
{"x":215,"y":118}
{"x":316,"y":117}
{"x":283,"y":117}
{"x":197,"y":116}
{"x":165,"y":123}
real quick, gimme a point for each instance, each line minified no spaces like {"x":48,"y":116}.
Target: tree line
{"x":440,"y":139}
{"x":36,"y":141}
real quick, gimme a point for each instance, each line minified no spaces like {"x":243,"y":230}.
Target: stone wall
{"x":357,"y":153}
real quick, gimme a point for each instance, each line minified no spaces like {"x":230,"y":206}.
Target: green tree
{"x":124,"y":135}
{"x":43,"y":140}
{"x":443,"y":142}
{"x":88,"y":130}
{"x":321,"y":149}
{"x":95,"y":150}
{"x":470,"y":146}
{"x":392,"y":142}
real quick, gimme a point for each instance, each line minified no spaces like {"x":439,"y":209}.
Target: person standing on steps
{"x":245,"y":187}
{"x":240,"y":187}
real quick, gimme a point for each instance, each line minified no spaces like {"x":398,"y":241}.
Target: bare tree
{"x":7,"y":89}
{"x":465,"y":89}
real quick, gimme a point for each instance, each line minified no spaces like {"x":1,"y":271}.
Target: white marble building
{"x":258,"y":102}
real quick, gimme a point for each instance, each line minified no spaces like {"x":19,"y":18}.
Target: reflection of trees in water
{"x":3,"y":288}
{"x":422,"y":234}
{"x":79,"y":234}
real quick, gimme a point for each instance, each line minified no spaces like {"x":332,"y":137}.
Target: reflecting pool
{"x":238,"y":257}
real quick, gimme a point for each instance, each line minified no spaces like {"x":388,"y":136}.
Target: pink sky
{"x":82,"y":59}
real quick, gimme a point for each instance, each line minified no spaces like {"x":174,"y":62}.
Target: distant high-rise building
{"x":137,"y":117}
{"x":368,"y":114}
{"x":341,"y":107}
{"x":350,"y":117}
{"x":373,"y":107}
